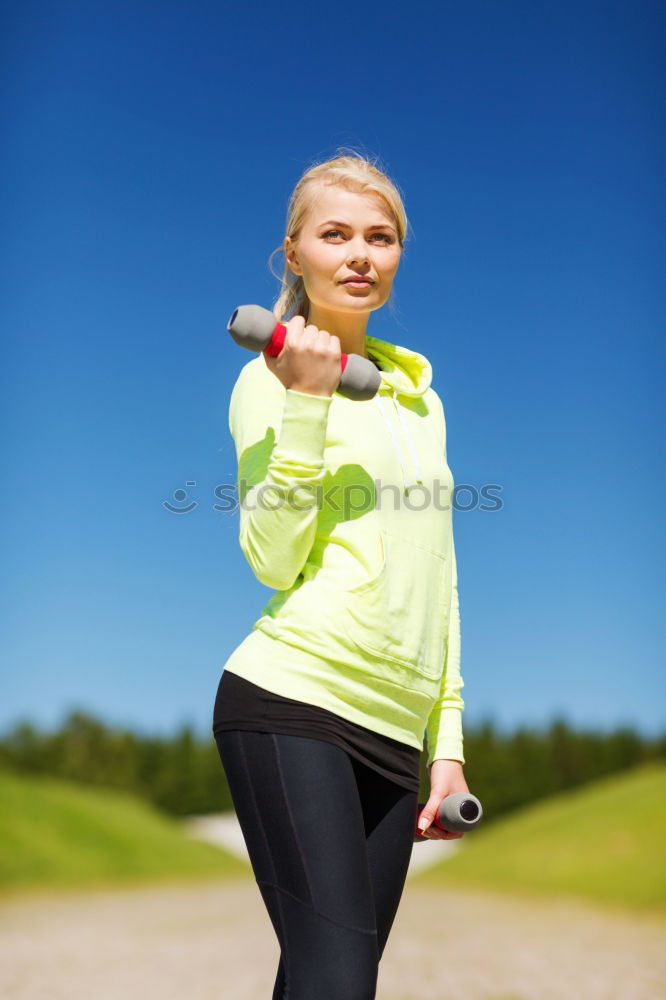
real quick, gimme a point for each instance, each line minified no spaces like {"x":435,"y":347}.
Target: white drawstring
{"x":396,"y":443}
{"x":410,"y":440}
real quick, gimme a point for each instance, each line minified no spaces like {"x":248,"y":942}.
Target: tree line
{"x":182,"y":775}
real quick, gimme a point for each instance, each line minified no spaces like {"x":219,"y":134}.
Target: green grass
{"x":604,"y":842}
{"x":58,"y":835}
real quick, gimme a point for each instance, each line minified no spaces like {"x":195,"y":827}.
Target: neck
{"x":348,"y":327}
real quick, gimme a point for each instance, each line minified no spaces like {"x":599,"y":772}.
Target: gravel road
{"x":214,"y":941}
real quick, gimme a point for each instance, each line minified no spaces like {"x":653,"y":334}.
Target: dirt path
{"x":215,"y":942}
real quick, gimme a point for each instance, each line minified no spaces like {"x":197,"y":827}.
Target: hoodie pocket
{"x":400,"y":615}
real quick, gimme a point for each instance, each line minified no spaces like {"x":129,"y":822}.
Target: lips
{"x":357,"y":280}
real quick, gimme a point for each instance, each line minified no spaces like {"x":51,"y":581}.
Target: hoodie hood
{"x":404,"y":373}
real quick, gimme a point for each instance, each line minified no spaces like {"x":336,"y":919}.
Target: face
{"x":346,"y":235}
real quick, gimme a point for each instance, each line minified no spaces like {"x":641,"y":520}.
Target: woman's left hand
{"x":446,"y":778}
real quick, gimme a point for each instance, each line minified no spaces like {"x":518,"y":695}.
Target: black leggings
{"x":329,"y":841}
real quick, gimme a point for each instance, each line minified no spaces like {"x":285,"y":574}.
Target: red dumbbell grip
{"x":276,"y":343}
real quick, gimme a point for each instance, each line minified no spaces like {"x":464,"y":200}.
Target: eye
{"x":336,"y":232}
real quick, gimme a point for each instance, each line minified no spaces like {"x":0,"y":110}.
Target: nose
{"x":358,"y":252}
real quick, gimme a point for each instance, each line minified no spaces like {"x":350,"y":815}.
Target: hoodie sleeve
{"x":444,"y":728}
{"x":279,"y":435}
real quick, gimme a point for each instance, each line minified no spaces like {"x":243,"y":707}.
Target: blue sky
{"x":149,"y":156}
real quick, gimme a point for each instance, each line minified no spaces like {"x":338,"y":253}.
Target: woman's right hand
{"x":309,"y":360}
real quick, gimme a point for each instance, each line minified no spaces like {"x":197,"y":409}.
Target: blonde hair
{"x":353,"y":171}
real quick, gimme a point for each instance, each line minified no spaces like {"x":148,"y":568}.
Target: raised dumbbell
{"x":257,"y":329}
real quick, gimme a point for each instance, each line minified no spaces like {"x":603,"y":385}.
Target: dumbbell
{"x":457,"y":813}
{"x":257,"y":329}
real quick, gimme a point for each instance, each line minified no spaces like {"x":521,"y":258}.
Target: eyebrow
{"x":345,"y":225}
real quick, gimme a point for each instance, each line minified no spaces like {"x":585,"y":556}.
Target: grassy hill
{"x":603,"y":842}
{"x":57,"y":835}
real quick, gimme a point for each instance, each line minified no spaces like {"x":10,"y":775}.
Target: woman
{"x":345,"y":512}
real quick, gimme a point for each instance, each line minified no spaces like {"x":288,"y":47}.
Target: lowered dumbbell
{"x":457,"y":813}
{"x":257,"y":329}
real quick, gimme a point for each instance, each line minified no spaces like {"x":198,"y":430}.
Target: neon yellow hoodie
{"x":345,"y":511}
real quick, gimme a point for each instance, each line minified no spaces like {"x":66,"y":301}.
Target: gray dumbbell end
{"x":360,"y":378}
{"x":252,"y":326}
{"x":460,"y":812}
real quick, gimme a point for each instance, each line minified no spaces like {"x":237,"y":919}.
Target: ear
{"x":291,"y":256}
